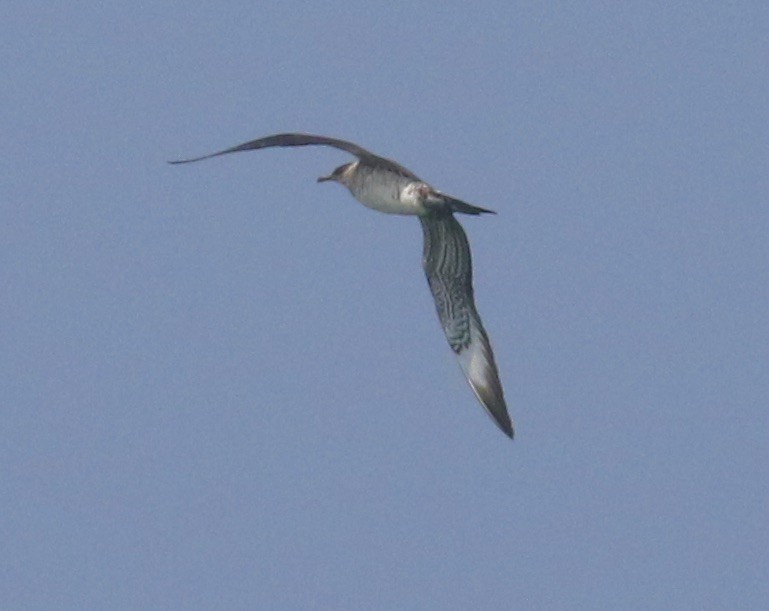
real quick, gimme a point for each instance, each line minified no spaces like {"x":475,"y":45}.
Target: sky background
{"x":224,"y":386}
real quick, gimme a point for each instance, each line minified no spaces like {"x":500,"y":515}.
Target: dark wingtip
{"x":179,"y":161}
{"x":505,"y":424}
{"x":493,"y":402}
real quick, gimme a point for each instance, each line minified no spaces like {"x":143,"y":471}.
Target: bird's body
{"x":386,"y":186}
{"x":383,"y":191}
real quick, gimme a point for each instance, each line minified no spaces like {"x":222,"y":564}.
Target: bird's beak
{"x":325,"y":178}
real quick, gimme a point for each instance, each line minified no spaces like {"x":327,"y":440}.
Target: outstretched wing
{"x":448,"y":267}
{"x":310,"y":139}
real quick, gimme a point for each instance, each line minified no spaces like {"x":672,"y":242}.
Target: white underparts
{"x":387,"y":192}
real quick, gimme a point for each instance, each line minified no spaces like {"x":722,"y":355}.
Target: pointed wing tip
{"x":504,"y":423}
{"x":494,"y":404}
{"x":180,"y":161}
{"x":510,"y":432}
{"x":488,"y":391}
{"x":496,"y":408}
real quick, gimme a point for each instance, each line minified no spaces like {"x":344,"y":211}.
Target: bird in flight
{"x":386,"y":186}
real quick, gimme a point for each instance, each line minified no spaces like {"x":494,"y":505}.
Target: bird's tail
{"x":457,"y":205}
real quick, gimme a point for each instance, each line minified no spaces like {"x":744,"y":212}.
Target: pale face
{"x":338,"y":175}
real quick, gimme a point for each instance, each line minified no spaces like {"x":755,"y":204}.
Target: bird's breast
{"x":388,"y":193}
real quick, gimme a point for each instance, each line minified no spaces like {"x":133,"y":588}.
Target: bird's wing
{"x":448,"y":267}
{"x":310,"y":139}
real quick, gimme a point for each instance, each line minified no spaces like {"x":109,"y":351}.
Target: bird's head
{"x":339,"y":175}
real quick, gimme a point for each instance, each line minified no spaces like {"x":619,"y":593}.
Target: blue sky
{"x":224,"y":385}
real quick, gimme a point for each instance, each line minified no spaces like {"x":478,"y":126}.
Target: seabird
{"x":386,"y":186}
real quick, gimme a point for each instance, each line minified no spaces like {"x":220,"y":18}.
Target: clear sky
{"x":224,"y":386}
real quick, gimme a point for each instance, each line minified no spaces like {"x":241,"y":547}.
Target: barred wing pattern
{"x":448,"y":266}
